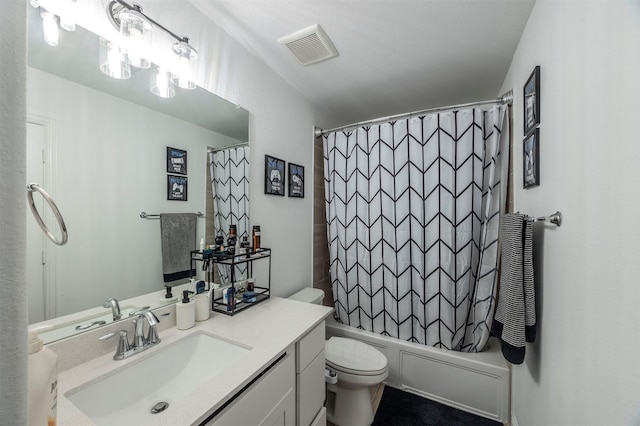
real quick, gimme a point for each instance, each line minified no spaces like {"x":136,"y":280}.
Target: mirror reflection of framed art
{"x":296,"y":180}
{"x":176,"y":188}
{"x":176,"y":161}
{"x":274,"y":175}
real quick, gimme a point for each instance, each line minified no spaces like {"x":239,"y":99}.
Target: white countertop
{"x":269,"y":328}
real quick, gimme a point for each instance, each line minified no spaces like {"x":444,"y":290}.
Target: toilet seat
{"x":354,"y":357}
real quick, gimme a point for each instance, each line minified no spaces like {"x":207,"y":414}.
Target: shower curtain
{"x":413,"y":210}
{"x":230,"y":189}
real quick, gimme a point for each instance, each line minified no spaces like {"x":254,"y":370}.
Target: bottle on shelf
{"x":256,"y":237}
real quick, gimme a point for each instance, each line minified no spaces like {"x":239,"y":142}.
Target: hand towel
{"x":515,"y":319}
{"x":178,"y":236}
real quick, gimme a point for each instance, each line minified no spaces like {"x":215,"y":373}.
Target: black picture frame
{"x":531,"y":160}
{"x":531,"y":98}
{"x":176,"y":161}
{"x":274,"y":176}
{"x":296,"y":180}
{"x":177,"y":188}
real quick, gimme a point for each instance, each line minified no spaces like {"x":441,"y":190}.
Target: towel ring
{"x":33,"y":187}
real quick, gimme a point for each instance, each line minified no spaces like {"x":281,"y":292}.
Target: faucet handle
{"x":139,"y":311}
{"x":123,"y":343}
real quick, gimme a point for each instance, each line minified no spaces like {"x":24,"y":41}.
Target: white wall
{"x":13,"y":293}
{"x":281,"y":124}
{"x":110,"y":165}
{"x":583,"y":368}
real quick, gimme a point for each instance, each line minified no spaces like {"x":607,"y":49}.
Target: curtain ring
{"x":33,"y":187}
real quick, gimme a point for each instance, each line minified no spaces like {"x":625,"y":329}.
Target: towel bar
{"x":145,"y":215}
{"x":555,"y":218}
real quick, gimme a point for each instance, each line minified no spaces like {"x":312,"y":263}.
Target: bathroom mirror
{"x":99,"y":146}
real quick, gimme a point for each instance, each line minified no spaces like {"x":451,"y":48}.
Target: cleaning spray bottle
{"x":42,"y":381}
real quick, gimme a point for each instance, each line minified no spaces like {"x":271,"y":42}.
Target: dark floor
{"x":399,"y":408}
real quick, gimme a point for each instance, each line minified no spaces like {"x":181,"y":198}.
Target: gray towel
{"x":515,"y":320}
{"x":178,"y":236}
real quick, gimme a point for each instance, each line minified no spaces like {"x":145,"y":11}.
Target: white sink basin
{"x":127,"y":395}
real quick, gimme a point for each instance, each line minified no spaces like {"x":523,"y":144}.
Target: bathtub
{"x":478,"y":383}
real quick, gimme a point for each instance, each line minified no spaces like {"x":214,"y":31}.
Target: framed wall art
{"x":531,"y":160}
{"x":177,"y":188}
{"x":274,"y":175}
{"x":532,"y":101}
{"x":176,"y":161}
{"x":296,"y":180}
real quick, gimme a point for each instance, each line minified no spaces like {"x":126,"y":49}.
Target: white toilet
{"x":358,"y":368}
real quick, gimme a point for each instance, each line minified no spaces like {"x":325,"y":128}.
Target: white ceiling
{"x":395,"y":56}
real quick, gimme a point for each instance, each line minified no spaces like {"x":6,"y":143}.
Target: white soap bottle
{"x":42,"y":382}
{"x":185,"y":312}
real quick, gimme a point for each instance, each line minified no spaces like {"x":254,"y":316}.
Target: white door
{"x":39,"y":279}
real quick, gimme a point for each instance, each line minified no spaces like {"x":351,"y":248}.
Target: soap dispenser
{"x":168,"y":297}
{"x":42,"y":381}
{"x":185,"y":312}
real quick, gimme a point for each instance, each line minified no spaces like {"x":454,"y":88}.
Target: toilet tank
{"x":309,"y":295}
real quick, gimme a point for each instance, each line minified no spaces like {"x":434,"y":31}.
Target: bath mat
{"x":399,"y":408}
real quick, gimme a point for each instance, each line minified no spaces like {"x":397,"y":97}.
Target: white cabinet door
{"x":311,"y":390}
{"x":310,"y":363}
{"x":269,"y":401}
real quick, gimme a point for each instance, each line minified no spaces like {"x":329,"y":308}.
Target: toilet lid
{"x":353,"y":356}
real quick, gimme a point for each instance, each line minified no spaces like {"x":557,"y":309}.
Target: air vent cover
{"x":310,"y":45}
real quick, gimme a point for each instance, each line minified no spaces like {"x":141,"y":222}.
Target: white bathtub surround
{"x":269,"y":329}
{"x":478,"y":383}
{"x":412,"y":223}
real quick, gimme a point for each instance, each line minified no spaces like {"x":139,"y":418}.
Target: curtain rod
{"x":507,"y":98}
{"x":238,"y":145}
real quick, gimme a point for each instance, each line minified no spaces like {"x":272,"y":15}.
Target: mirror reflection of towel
{"x":178,"y":238}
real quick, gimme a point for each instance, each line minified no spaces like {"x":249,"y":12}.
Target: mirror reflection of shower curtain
{"x":412,"y":223}
{"x":230,"y":188}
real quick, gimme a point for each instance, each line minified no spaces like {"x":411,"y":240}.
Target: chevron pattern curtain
{"x":412,"y":212}
{"x":230,"y":186}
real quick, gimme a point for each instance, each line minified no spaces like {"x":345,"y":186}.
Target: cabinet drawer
{"x":311,"y":390}
{"x":309,"y":347}
{"x":269,"y":401}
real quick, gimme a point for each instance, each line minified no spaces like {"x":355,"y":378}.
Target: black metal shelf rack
{"x":233,"y":261}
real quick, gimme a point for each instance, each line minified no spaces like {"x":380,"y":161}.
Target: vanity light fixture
{"x":134,"y":25}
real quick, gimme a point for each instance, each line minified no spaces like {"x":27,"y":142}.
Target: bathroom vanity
{"x":263,"y":366}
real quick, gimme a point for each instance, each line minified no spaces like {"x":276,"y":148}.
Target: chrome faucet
{"x":140,"y":342}
{"x":115,"y":308}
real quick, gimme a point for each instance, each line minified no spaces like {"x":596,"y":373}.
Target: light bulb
{"x":186,"y":57}
{"x":161,"y":84}
{"x":68,"y":16}
{"x":50,"y":28}
{"x":137,"y":30}
{"x":113,"y":60}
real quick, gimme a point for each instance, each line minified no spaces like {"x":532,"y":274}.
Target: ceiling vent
{"x":310,"y":45}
